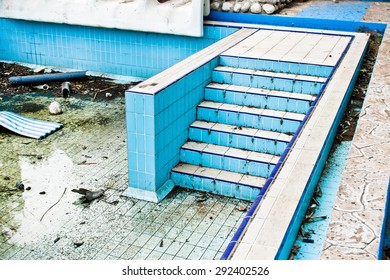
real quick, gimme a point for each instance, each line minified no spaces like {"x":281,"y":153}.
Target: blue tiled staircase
{"x":252,"y":109}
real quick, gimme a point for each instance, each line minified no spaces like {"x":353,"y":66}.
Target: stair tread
{"x":231,"y":152}
{"x":218,"y":174}
{"x":252,"y":110}
{"x":270,"y":74}
{"x":276,"y":93}
{"x":251,"y":132}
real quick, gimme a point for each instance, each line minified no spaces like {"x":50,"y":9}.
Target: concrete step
{"x":268,"y":80}
{"x":261,"y":98}
{"x":251,"y":139}
{"x":217,"y":181}
{"x":276,"y":66}
{"x":226,"y":158}
{"x":245,"y":116}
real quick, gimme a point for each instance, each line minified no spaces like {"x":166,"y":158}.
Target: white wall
{"x":182,"y":17}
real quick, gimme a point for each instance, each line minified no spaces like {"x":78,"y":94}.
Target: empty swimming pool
{"x":248,"y":111}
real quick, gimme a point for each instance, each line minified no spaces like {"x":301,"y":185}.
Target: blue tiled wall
{"x":157,"y":126}
{"x":114,"y":51}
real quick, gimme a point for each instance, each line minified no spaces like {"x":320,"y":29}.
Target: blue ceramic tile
{"x":130,"y":103}
{"x":149,"y":125}
{"x":150,"y":164}
{"x":133,"y":179}
{"x":140,"y":123}
{"x":133,"y":163}
{"x":150,"y":144}
{"x":131,"y":142}
{"x":140,"y":143}
{"x":227,"y":189}
{"x":150,"y":182}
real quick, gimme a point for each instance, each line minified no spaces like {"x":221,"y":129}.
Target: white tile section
{"x":270,"y":74}
{"x":284,"y":47}
{"x":337,"y":51}
{"x":218,"y":86}
{"x":252,"y":181}
{"x":207,"y":172}
{"x":216,"y":149}
{"x":238,"y":153}
{"x":292,"y":46}
{"x":321,"y":50}
{"x":294,"y":116}
{"x":185,"y":168}
{"x":252,"y":110}
{"x":263,"y":157}
{"x":224,"y":127}
{"x":203,"y":124}
{"x":230,"y":107}
{"x":199,"y":146}
{"x":229,"y":176}
{"x":210,"y":104}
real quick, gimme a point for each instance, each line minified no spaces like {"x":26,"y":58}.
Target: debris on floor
{"x":87,"y":87}
{"x":88,"y":195}
{"x":28,"y":127}
{"x":46,"y":78}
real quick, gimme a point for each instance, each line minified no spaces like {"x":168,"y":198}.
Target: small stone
{"x":55,"y":108}
{"x":28,"y":188}
{"x":227,"y":6}
{"x":237,"y":8}
{"x":108,"y":95}
{"x":245,"y":7}
{"x":269,"y":9}
{"x":255,"y":8}
{"x":215,"y":6}
{"x":78,"y":243}
{"x":19,"y":185}
{"x":241,"y":208}
{"x":42,"y":192}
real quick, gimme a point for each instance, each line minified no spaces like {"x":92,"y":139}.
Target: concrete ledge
{"x":172,"y":17}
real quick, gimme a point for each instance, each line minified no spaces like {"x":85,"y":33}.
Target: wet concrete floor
{"x":47,"y":220}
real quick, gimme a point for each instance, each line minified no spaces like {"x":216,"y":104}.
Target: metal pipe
{"x":65,"y":89}
{"x":45,"y":78}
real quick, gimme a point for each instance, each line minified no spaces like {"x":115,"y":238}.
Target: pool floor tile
{"x":116,"y":227}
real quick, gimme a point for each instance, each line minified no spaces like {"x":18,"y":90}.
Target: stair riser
{"x":257,"y":100}
{"x":224,"y":188}
{"x":264,"y":82}
{"x":276,"y":66}
{"x":238,"y":165}
{"x":262,"y":145}
{"x":248,"y":120}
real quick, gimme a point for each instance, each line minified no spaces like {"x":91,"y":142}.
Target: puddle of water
{"x":51,"y":168}
{"x":49,"y":198}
